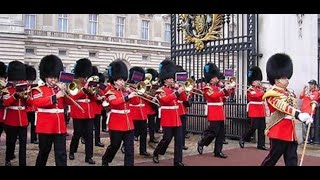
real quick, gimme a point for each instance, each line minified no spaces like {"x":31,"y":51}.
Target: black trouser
{"x":168,"y":133}
{"x":45,"y":145}
{"x":82,"y":127}
{"x":116,"y":137}
{"x":256,"y":123}
{"x":214,"y":130}
{"x":31,"y":119}
{"x":278,"y":148}
{"x":97,"y":121}
{"x":151,"y":125}
{"x":11,"y":137}
{"x":140,"y":129}
{"x":184,"y":128}
{"x":104,"y":119}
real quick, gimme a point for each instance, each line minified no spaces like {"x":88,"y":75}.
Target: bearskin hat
{"x":254,"y":74}
{"x":279,"y":66}
{"x":117,"y":69}
{"x":141,"y":74}
{"x":50,"y":66}
{"x":102,"y":79}
{"x":3,"y":70}
{"x":167,"y":70}
{"x":16,"y":71}
{"x":180,"y":68}
{"x":31,"y":73}
{"x":153,"y":72}
{"x":83,"y":68}
{"x":211,"y":71}
{"x":221,"y":76}
{"x":95,"y":71}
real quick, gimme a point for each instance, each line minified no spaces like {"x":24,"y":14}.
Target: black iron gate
{"x":234,"y":49}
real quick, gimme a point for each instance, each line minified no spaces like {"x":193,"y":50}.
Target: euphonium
{"x":93,"y":79}
{"x":74,"y":87}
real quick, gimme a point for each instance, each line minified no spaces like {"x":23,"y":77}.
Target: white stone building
{"x":140,"y":39}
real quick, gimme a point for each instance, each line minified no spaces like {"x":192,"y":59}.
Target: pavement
{"x":32,"y":151}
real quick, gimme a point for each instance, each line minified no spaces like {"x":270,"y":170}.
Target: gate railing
{"x":236,"y":122}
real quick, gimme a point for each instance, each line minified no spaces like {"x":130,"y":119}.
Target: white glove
{"x":309,"y":120}
{"x":304,"y":117}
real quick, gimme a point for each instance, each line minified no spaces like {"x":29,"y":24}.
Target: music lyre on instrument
{"x":69,"y":78}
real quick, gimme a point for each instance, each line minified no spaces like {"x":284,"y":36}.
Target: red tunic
{"x":255,"y":107}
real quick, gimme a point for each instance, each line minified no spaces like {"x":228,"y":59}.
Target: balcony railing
{"x":32,"y":32}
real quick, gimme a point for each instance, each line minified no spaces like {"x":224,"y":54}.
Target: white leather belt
{"x":16,"y":107}
{"x":179,"y":101}
{"x":255,"y":102}
{"x":120,"y":111}
{"x":289,"y":117}
{"x":50,"y":110}
{"x":137,"y":105}
{"x":169,"y":107}
{"x":215,"y":104}
{"x":83,"y":100}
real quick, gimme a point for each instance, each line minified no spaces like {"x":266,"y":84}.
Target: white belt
{"x":50,"y":110}
{"x":215,"y":104}
{"x":179,"y":101}
{"x":83,"y":100}
{"x":254,"y":102}
{"x":16,"y":107}
{"x":289,"y":117}
{"x":169,"y":107}
{"x":137,"y":105}
{"x":120,"y":111}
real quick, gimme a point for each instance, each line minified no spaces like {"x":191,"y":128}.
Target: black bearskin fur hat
{"x":153,"y":72}
{"x":254,"y":74}
{"x":83,"y":68}
{"x":211,"y":71}
{"x":50,"y":66}
{"x":3,"y":70}
{"x":117,"y":69}
{"x":95,"y":71}
{"x":180,"y":68}
{"x":137,"y":69}
{"x":279,"y":66}
{"x":16,"y":71}
{"x":167,"y":70}
{"x":102,"y":79}
{"x":31,"y":73}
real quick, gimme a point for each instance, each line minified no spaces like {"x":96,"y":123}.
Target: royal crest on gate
{"x":199,"y":28}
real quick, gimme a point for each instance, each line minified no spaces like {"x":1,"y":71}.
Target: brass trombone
{"x":141,"y":89}
{"x":189,"y":87}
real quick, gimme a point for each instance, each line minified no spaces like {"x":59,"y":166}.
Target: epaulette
{"x":109,"y":92}
{"x":207,"y":87}
{"x":36,"y":88}
{"x":271,"y":93}
{"x":160,"y":90}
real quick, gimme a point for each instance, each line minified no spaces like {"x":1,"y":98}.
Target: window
{"x":63,"y":22}
{"x":92,"y":54}
{"x":93,"y":24}
{"x":167,"y":35}
{"x":120,"y":27}
{"x":145,"y":30}
{"x":30,"y":21}
{"x":30,"y":51}
{"x":62,"y":52}
{"x":145,"y":58}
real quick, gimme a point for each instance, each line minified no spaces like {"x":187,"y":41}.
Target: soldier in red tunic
{"x":169,"y":113}
{"x":50,"y":120}
{"x":283,"y":108}
{"x":15,"y":115}
{"x":255,"y":108}
{"x":31,"y":77}
{"x":120,"y":124}
{"x":82,"y":120}
{"x":3,"y":83}
{"x":214,"y":95}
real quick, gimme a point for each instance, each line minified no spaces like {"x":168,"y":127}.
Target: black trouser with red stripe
{"x":116,"y":137}
{"x":215,"y":130}
{"x":45,"y":145}
{"x":168,"y":134}
{"x":11,"y":137}
{"x":82,"y":127}
{"x":278,"y":148}
{"x":140,"y":129}
{"x":256,"y":123}
{"x":97,"y":122}
{"x":1,"y":129}
{"x":31,"y":119}
{"x":151,"y":126}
